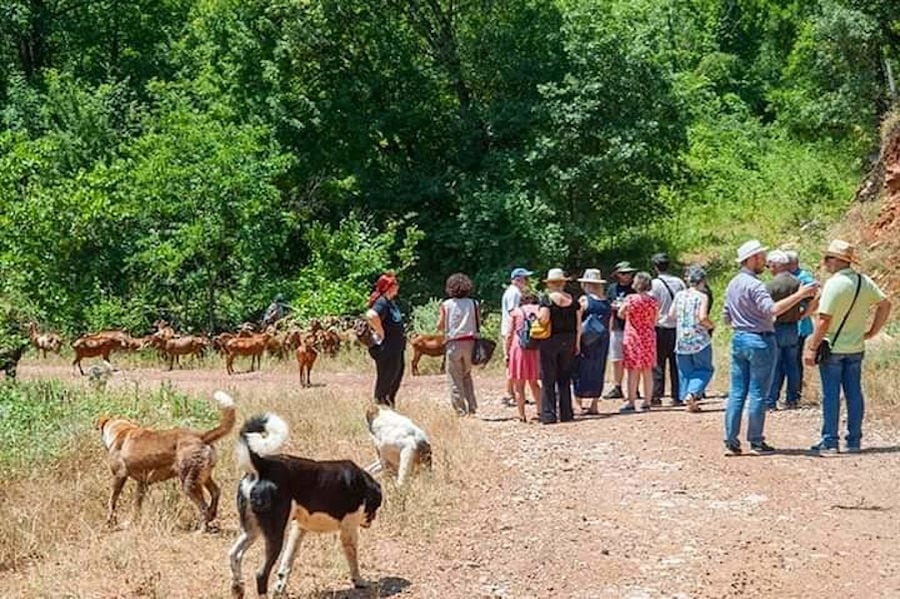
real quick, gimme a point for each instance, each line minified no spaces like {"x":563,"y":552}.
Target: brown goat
{"x":44,"y":341}
{"x":184,"y":346}
{"x":306,"y":357}
{"x":245,"y":346}
{"x":90,"y":346}
{"x":427,"y":345}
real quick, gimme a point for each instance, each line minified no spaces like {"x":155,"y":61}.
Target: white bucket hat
{"x":591,"y":275}
{"x":750,"y":249}
{"x":555,"y":274}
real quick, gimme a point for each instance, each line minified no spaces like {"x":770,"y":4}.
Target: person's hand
{"x":809,"y":290}
{"x":809,"y":357}
{"x":869,"y":335}
{"x":577,"y":348}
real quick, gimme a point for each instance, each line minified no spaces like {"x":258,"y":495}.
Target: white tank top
{"x":459,"y":318}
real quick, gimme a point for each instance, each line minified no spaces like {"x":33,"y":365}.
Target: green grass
{"x":58,"y":415}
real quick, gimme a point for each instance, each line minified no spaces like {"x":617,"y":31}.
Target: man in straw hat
{"x":842,"y":319}
{"x":750,"y":311}
{"x":623,"y":276}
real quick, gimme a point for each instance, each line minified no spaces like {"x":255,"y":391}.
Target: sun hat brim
{"x":591,"y":280}
{"x":761,"y":250}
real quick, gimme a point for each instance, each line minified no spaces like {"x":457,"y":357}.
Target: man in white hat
{"x":847,"y":298}
{"x":511,"y":299}
{"x":750,"y":311}
{"x":787,"y":335}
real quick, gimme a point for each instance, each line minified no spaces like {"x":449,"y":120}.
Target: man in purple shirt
{"x":750,"y":311}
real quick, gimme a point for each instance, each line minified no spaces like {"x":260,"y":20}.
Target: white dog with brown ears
{"x":401,"y":445}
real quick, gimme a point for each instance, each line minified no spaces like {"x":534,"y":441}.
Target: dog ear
{"x":371,"y":412}
{"x":100,"y":422}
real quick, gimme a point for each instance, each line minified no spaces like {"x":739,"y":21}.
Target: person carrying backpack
{"x":524,"y":359}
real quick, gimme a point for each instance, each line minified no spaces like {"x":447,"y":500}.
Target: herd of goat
{"x":319,"y":336}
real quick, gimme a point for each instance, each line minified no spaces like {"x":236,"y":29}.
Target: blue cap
{"x":520,"y":272}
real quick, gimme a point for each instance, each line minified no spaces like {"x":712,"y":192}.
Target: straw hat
{"x":591,"y":275}
{"x":750,"y":249}
{"x":555,"y":274}
{"x":842,"y":250}
{"x":624,"y":267}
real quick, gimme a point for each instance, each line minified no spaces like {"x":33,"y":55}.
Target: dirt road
{"x":642,"y":505}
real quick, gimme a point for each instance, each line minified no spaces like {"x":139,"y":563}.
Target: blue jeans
{"x":694,"y":372}
{"x":787,"y":364}
{"x":752,"y":366}
{"x":842,"y":370}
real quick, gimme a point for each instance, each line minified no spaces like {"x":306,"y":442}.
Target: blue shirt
{"x":805,"y":325}
{"x":748,"y":306}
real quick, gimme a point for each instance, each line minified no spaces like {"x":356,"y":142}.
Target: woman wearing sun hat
{"x":595,"y":313}
{"x":558,"y":352}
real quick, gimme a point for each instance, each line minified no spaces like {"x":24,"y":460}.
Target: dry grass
{"x":53,"y":541}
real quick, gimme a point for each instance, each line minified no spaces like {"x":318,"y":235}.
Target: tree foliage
{"x":190,"y":159}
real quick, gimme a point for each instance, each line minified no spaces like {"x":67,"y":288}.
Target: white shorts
{"x":616,"y":344}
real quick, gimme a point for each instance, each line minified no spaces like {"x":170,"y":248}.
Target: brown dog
{"x":149,"y":456}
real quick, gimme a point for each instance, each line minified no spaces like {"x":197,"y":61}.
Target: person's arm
{"x":882,"y":311}
{"x":623,"y":307}
{"x":785,"y":304}
{"x":510,"y":335}
{"x":544,"y":311}
{"x":442,"y":318}
{"x":823,"y":321}
{"x":374,"y":320}
{"x":705,"y":321}
{"x":578,"y":313}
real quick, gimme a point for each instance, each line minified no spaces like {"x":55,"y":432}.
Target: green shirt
{"x":837,"y":295}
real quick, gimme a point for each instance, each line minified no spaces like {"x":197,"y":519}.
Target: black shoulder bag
{"x":823,"y":352}
{"x":483,"y":348}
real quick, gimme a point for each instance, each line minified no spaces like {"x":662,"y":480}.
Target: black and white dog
{"x":317,"y":496}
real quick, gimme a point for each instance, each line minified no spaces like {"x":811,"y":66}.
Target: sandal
{"x":645,"y":406}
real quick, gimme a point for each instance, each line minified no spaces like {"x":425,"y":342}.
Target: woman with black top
{"x":386,"y":321}
{"x":558,"y":351}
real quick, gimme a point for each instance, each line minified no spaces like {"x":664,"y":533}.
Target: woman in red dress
{"x":639,"y":311}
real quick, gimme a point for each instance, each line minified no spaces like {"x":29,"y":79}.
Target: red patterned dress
{"x":640,"y":332}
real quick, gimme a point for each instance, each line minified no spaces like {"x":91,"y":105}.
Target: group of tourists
{"x":656,"y":329}
{"x":643,"y":324}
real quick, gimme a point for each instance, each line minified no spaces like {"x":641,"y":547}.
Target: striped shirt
{"x":748,"y":306}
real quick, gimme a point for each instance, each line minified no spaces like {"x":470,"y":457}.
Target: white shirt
{"x":664,"y":288}
{"x":512,"y":297}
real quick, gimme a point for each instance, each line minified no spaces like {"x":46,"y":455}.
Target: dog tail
{"x":226,"y":418}
{"x":259,"y":437}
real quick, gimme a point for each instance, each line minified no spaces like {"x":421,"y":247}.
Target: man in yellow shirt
{"x":842,"y":322}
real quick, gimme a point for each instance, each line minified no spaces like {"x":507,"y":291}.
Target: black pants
{"x":665,"y":352}
{"x":389,"y":368}
{"x":557,"y":366}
